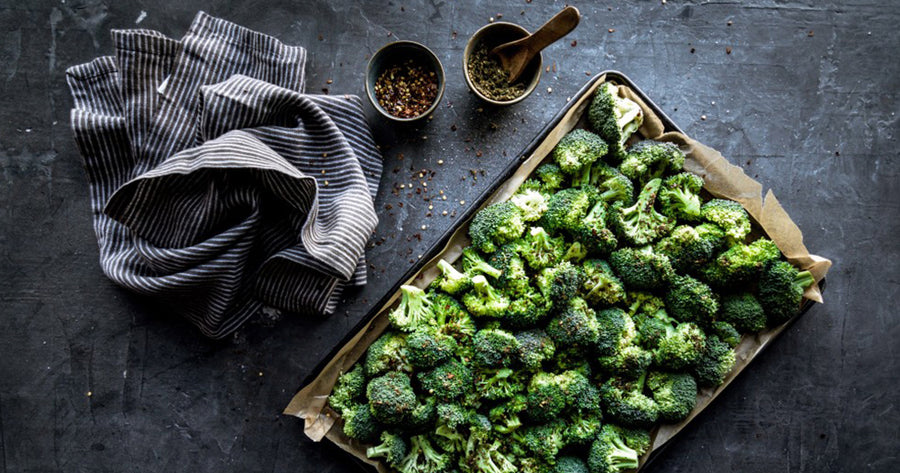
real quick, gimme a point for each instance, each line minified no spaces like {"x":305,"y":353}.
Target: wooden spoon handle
{"x":560,"y":25}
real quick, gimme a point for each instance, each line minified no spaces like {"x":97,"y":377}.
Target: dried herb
{"x":406,"y":90}
{"x":490,"y":78}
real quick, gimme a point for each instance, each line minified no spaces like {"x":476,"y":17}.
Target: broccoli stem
{"x":622,"y":456}
{"x":803,"y":280}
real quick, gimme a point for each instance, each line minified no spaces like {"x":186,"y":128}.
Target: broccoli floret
{"x":450,"y":380}
{"x":638,"y":439}
{"x":740,"y":263}
{"x":504,"y":417}
{"x":594,"y":174}
{"x":561,"y":282}
{"x":641,"y":268}
{"x":570,"y":464}
{"x":610,"y":454}
{"x":576,"y":327}
{"x":643,"y":302}
{"x":513,"y":279}
{"x":640,"y":223}
{"x":726,"y":332}
{"x":423,"y":457}
{"x":566,"y":209}
{"x":495,"y":348}
{"x":675,"y":394}
{"x":414,"y":311}
{"x":615,"y":329}
{"x":680,"y":347}
{"x":387,"y":353}
{"x":679,"y":197}
{"x":535,"y":347}
{"x":601,"y":286}
{"x":496,"y":225}
{"x":544,"y":441}
{"x":392,"y":449}
{"x":686,"y":248}
{"x":528,"y":309}
{"x":540,"y":250}
{"x":349,"y":389}
{"x":530,"y":203}
{"x":451,"y":280}
{"x":493,"y":384}
{"x":484,"y":301}
{"x":592,"y":233}
{"x":579,"y":148}
{"x":423,"y":415}
{"x":689,"y":300}
{"x":473,"y":264}
{"x":452,"y":415}
{"x":628,"y":361}
{"x":624,"y":403}
{"x":614,"y":118}
{"x":716,"y":362}
{"x":730,"y":216}
{"x":451,"y":317}
{"x":581,"y":395}
{"x":617,"y":188}
{"x":743,"y":311}
{"x":575,"y":253}
{"x":547,"y":397}
{"x":781,"y":288}
{"x":551,"y":176}
{"x":359,"y":423}
{"x":391,"y":398}
{"x":650,"y":160}
{"x":426,"y":349}
{"x":713,"y":234}
{"x":582,"y":429}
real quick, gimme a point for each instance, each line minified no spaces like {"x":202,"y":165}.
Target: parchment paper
{"x":721,"y":179}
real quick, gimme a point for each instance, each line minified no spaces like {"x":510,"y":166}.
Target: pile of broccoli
{"x":591,"y":306}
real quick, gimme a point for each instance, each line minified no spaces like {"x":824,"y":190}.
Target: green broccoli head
{"x":392,"y":449}
{"x":641,"y":224}
{"x":781,"y":288}
{"x":561,"y":282}
{"x":451,"y":317}
{"x":680,"y":347}
{"x":423,"y":457}
{"x":625,"y":404}
{"x":593,"y":235}
{"x":547,"y":397}
{"x":414,"y":311}
{"x":495,"y":348}
{"x":513,"y":280}
{"x":743,"y":311}
{"x":730,"y":216}
{"x":614,"y":118}
{"x":575,"y":327}
{"x":578,"y":149}
{"x":391,"y":398}
{"x":689,"y":300}
{"x":679,"y":197}
{"x":570,"y":464}
{"x":349,"y":389}
{"x":652,"y":327}
{"x":686,"y":248}
{"x":638,"y":439}
{"x":674,"y":393}
{"x":485,"y":301}
{"x":543,"y":441}
{"x":642,"y":268}
{"x":504,"y":417}
{"x":610,"y":454}
{"x":594,"y":175}
{"x":601,"y":287}
{"x":502,"y":383}
{"x":531,"y":204}
{"x":473,"y":264}
{"x":566,"y":209}
{"x":740,"y":264}
{"x":496,"y":225}
{"x":450,"y":380}
{"x":615,"y":189}
{"x":359,"y":423}
{"x":716,"y":362}
{"x":535,"y":347}
{"x":582,"y":428}
{"x":387,"y":353}
{"x":726,"y":332}
{"x":528,"y":310}
{"x":648,"y":160}
{"x":629,"y":361}
{"x":550,"y":176}
{"x":427,"y":349}
{"x":615,"y":330}
{"x":540,"y":250}
{"x":451,"y":280}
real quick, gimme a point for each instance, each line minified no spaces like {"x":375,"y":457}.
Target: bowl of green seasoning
{"x":485,"y":75}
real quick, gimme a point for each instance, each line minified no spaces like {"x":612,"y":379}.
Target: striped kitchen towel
{"x":217,"y":185}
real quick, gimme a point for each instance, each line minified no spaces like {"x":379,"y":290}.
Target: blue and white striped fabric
{"x":217,"y":186}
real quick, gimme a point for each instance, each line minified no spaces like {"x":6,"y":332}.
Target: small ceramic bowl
{"x":399,"y":52}
{"x":493,"y":35}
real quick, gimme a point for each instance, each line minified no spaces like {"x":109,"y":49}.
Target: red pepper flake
{"x":728,"y":50}
{"x":406,"y":90}
{"x":574,"y":43}
{"x":478,"y":154}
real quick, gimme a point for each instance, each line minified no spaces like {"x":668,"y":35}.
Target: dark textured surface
{"x":95,"y":379}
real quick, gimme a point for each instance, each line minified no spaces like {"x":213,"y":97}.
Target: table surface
{"x":803,"y":95}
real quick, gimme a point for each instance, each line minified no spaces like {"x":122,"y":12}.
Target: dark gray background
{"x":806,"y":102}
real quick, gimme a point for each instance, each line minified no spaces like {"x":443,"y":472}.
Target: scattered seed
{"x":440,"y":161}
{"x":462,"y":202}
{"x":728,"y":50}
{"x":611,"y":30}
{"x":424,"y":227}
{"x":703,"y":117}
{"x":444,"y":213}
{"x":810,"y":34}
{"x":329,"y":81}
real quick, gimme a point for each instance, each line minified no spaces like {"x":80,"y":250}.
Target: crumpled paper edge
{"x":721,"y":179}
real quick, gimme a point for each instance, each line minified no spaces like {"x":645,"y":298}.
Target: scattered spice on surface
{"x":490,"y":78}
{"x":728,"y":50}
{"x":406,"y":90}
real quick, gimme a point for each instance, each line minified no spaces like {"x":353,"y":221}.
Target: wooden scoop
{"x":516,"y":55}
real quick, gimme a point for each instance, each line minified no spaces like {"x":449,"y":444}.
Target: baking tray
{"x":511,"y":168}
